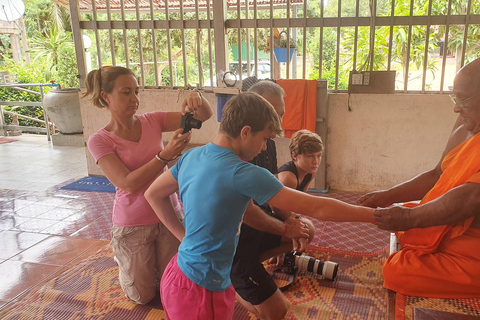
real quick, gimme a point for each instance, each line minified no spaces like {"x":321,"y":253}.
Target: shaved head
{"x":467,"y":81}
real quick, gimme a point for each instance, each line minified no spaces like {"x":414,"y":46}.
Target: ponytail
{"x":103,"y":80}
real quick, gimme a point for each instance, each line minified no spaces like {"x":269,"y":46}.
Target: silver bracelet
{"x":161,"y":159}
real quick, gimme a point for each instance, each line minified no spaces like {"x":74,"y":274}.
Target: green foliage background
{"x":52,"y":57}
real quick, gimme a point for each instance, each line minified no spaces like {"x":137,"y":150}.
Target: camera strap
{"x":291,"y":277}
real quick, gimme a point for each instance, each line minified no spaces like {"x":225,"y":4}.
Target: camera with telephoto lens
{"x":188,"y":122}
{"x":296,"y":261}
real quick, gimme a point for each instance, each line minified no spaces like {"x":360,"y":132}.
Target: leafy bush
{"x":281,"y":41}
{"x":66,"y":73}
{"x":27,"y":73}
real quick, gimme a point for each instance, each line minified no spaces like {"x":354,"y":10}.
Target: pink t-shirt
{"x":132,"y":209}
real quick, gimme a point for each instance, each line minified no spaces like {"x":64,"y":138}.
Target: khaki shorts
{"x":143,"y":253}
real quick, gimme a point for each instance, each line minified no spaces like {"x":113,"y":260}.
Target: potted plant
{"x":281,"y":46}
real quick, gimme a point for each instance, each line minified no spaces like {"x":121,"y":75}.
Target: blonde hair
{"x":103,"y":79}
{"x":305,"y":141}
{"x":248,"y":109}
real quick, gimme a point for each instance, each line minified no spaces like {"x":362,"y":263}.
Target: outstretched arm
{"x":411,"y":190}
{"x":158,"y":196}
{"x":456,"y":205}
{"x":320,"y":208}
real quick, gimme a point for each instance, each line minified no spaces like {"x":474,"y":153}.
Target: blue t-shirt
{"x":215,"y":187}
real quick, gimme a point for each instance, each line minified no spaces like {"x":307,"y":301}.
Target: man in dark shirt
{"x":255,"y":288}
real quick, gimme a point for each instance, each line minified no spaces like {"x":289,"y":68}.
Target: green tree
{"x":40,"y":14}
{"x":48,"y":47}
{"x":456,"y":32}
{"x":27,"y":73}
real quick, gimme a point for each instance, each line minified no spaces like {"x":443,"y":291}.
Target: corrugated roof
{"x":159,"y":5}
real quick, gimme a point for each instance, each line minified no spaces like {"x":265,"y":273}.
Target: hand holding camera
{"x":191,"y":104}
{"x":188,"y":122}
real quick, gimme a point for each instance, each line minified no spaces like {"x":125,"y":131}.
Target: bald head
{"x":467,"y":80}
{"x":466,"y":88}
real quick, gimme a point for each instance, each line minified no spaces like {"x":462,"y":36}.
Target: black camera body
{"x":188,"y":122}
{"x":294,"y":261}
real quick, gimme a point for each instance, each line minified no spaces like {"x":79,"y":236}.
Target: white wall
{"x":384,"y":140}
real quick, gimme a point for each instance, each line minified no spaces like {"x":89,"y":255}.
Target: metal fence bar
{"x":337,"y":54}
{"x":427,"y":45}
{"x":24,"y":117}
{"x":140,"y":45}
{"x":465,"y":32}
{"x":298,"y":25}
{"x":3,"y":130}
{"x":199,"y":40}
{"x":21,"y":103}
{"x":110,"y":34}
{"x":124,"y":29}
{"x":184,"y":52}
{"x":272,"y":43}
{"x":355,"y":43}
{"x":239,"y":41}
{"x":27,"y":129}
{"x":409,"y":42}
{"x":255,"y":37}
{"x":373,"y":15}
{"x":169,"y":42}
{"x":304,"y":28}
{"x":445,"y":46}
{"x":154,"y":43}
{"x":97,"y":38}
{"x":288,"y":42}
{"x":320,"y":46}
{"x":209,"y":30}
{"x":390,"y":40}
{"x":247,"y":40}
{"x":45,"y":115}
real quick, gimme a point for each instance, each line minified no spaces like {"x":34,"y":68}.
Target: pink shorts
{"x":184,"y":299}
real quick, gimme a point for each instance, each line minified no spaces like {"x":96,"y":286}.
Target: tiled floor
{"x":44,"y":229}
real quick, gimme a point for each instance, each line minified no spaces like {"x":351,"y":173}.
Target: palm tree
{"x":48,"y":47}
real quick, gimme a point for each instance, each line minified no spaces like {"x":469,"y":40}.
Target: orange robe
{"x":441,"y":261}
{"x":300,"y":105}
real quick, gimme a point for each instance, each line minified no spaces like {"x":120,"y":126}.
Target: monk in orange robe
{"x":440,"y":255}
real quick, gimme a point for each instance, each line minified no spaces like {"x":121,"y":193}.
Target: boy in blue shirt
{"x":215,"y":187}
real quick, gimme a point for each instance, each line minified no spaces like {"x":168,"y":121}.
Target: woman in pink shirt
{"x":131,"y":154}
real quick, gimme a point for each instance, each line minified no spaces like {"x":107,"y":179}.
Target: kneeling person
{"x":215,"y":196}
{"x":255,"y":289}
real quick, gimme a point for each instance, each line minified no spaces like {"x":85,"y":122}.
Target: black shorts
{"x":249,"y":278}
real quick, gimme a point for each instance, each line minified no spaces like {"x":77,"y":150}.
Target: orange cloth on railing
{"x":300,"y":105}
{"x":441,"y":261}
